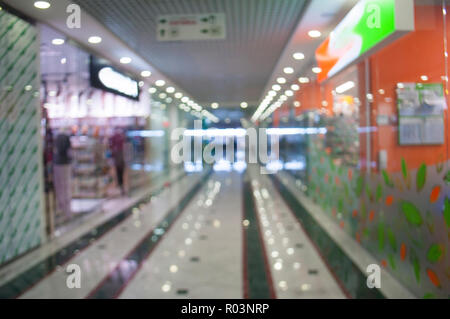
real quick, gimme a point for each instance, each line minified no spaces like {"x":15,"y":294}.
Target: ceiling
{"x":226,"y":71}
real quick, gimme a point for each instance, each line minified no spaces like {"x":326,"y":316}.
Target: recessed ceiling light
{"x":52,"y":93}
{"x":162,"y":95}
{"x":298,"y":56}
{"x":244,"y":105}
{"x":160,"y":83}
{"x":185,"y":99}
{"x":288,"y":70}
{"x":289,"y":93}
{"x":314,"y":33}
{"x":297,"y":104}
{"x":125,"y":60}
{"x":316,"y":70}
{"x":214,"y":105}
{"x":281,"y":80}
{"x":345,"y":87}
{"x":303,"y":80}
{"x":146,"y":74}
{"x":295,"y":87}
{"x":95,"y":39}
{"x":272,"y":93}
{"x":276,"y":87}
{"x":178,"y":95}
{"x":424,"y":78}
{"x":170,"y":89}
{"x":58,"y":41}
{"x":42,"y":4}
{"x":63,"y":61}
{"x":152,"y":90}
{"x":141,"y":83}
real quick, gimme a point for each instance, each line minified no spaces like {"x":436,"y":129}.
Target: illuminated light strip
{"x":296,"y":131}
{"x":146,"y":133}
{"x":345,"y":87}
{"x":216,"y":132}
{"x":367,"y":129}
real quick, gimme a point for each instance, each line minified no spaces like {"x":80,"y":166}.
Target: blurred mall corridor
{"x":224,"y":149}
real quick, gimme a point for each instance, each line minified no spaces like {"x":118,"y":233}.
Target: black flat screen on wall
{"x":105,"y":77}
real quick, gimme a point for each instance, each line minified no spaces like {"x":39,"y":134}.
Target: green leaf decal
{"x":359,"y":186}
{"x":428,"y":296}
{"x":411,"y":212}
{"x":447,"y":178}
{"x":379,"y":192}
{"x":332,"y":166}
{"x":381,"y":236}
{"x":392,"y":240}
{"x":416,"y":265}
{"x":435,"y":253}
{"x":391,"y":261}
{"x":387,"y":178}
{"x":369,"y":192}
{"x":421,"y":177}
{"x":447,"y":211}
{"x":404,"y":169}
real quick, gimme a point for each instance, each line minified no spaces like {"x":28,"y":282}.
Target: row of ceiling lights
{"x":197,"y":110}
{"x":186,"y":104}
{"x":266,"y":108}
{"x":287,"y":70}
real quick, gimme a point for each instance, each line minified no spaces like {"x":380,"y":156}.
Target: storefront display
{"x":87,"y":97}
{"x":381,"y":171}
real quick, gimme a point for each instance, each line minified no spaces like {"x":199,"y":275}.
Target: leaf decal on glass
{"x":411,"y":212}
{"x":381,"y":236}
{"x":402,"y":251}
{"x":359,"y":186}
{"x":421,"y":177}
{"x":447,"y":211}
{"x":416,"y":265}
{"x":434,"y":196}
{"x":379,"y":192}
{"x":404,"y":169}
{"x":435,"y":253}
{"x":433,"y":278}
{"x":387,"y":178}
{"x":392,"y":240}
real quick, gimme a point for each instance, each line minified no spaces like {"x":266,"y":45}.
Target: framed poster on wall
{"x":421,"y":113}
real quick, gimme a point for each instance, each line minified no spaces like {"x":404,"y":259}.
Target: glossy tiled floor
{"x":218,"y":235}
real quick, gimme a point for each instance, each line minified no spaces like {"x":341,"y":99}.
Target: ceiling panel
{"x":226,"y":71}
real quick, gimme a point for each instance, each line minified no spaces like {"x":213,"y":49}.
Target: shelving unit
{"x":90,"y":168}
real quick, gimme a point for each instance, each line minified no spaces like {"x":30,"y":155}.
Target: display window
{"x":381,"y":170}
{"x":89,"y":153}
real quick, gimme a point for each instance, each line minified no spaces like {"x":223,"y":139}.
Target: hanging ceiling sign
{"x":107,"y":78}
{"x":368,"y":27}
{"x":209,"y":26}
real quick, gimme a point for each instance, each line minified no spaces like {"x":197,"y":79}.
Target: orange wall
{"x":419,"y":53}
{"x":416,"y":54}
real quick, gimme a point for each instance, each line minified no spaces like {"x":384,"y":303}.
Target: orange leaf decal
{"x":337,"y":181}
{"x":434,"y":196}
{"x":350,"y":174}
{"x":358,"y":237}
{"x":384,"y":263}
{"x":341,"y":224}
{"x":403,"y":251}
{"x":371,"y":215}
{"x":433,"y":278}
{"x":354,"y":213}
{"x":389,"y":200}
